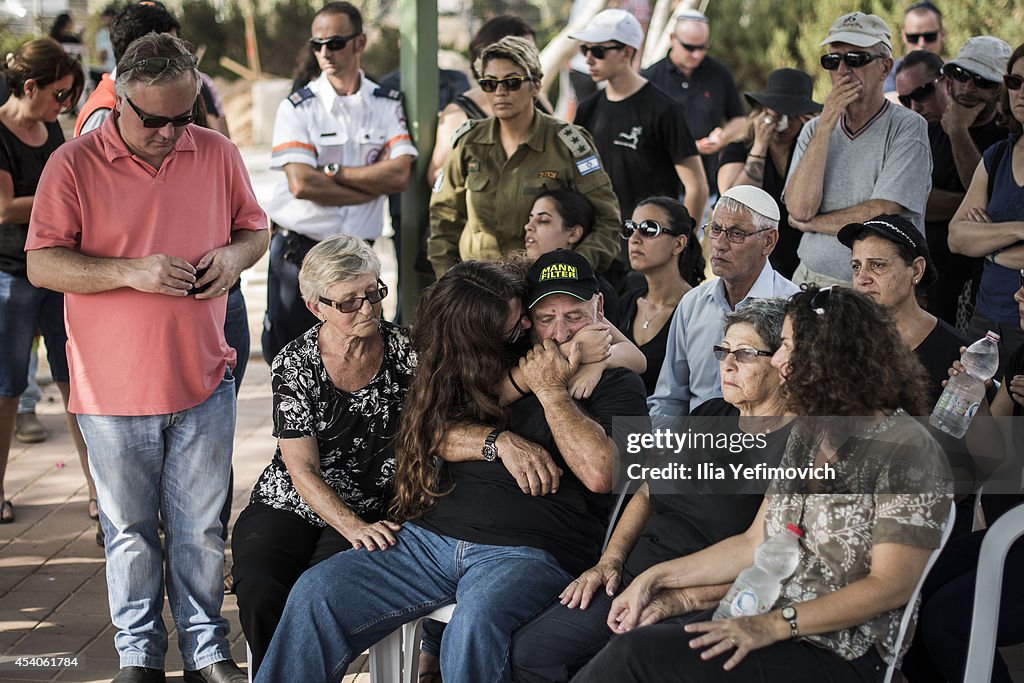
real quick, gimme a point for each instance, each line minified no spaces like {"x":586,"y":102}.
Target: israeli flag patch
{"x":588,"y":164}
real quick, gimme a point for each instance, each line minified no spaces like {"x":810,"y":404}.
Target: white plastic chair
{"x":987,"y":590}
{"x":909,"y":611}
{"x":397,"y":659}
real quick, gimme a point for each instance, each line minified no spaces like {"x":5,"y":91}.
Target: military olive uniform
{"x":482,"y":199}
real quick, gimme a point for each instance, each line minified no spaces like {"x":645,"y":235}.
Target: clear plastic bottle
{"x":963,"y":394}
{"x":757,"y":587}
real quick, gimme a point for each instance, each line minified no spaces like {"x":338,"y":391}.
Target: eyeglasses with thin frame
{"x":734,"y":235}
{"x":155,"y":66}
{"x":649,"y":229}
{"x":1013,"y":81}
{"x":743,"y":355}
{"x":692,"y":47}
{"x":599,"y":51}
{"x":928,"y":36}
{"x":920,"y":93}
{"x":150,"y":121}
{"x":355,"y":303}
{"x":958,"y":73}
{"x":332,"y":43}
{"x":512,"y":83}
{"x":854,"y":59}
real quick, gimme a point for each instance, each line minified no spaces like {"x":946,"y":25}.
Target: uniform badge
{"x":588,"y":165}
{"x":300,"y":96}
{"x":473,"y":166}
{"x":553,"y":175}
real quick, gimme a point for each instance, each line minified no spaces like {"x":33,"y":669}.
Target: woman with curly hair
{"x":865,"y":543}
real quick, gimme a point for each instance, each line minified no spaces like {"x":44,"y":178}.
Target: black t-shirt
{"x":784,"y":259}
{"x":709,"y":98}
{"x":654,"y":350}
{"x":682,"y":524}
{"x":25,"y":164}
{"x":640,"y":139}
{"x":486,"y":505}
{"x":937,"y":353}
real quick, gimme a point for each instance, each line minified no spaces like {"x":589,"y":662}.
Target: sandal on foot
{"x":94,"y":505}
{"x":6,"y":512}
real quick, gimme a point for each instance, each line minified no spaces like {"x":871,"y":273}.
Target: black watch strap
{"x":789,"y":614}
{"x":490,"y":449}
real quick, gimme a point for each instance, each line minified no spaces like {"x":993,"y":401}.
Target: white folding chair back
{"x":248,"y":661}
{"x":909,"y":610}
{"x":988,"y":588}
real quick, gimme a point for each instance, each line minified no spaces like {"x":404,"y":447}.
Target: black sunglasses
{"x":648,"y":229}
{"x":599,"y":51}
{"x":355,"y":303}
{"x":150,"y":121}
{"x":741,"y":355}
{"x":919,"y":94}
{"x":333,"y":44}
{"x":63,"y":94}
{"x":157,"y":65}
{"x":512,"y":83}
{"x":690,"y":47}
{"x":854,"y":59}
{"x":961,"y":74}
{"x":1013,"y":81}
{"x":928,"y":36}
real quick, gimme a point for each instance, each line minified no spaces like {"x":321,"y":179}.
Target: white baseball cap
{"x":612,"y":24}
{"x":755,"y":199}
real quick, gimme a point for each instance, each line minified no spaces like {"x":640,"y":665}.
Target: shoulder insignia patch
{"x":300,"y":96}
{"x":462,"y":130}
{"x":574,"y":140}
{"x":388,"y":93}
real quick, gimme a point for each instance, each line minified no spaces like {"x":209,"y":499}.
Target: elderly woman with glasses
{"x":851,"y":379}
{"x":499,"y":165}
{"x":660,"y":524}
{"x":43,"y":82}
{"x":338,"y":392}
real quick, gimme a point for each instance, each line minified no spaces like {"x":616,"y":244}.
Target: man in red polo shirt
{"x":145,"y":251}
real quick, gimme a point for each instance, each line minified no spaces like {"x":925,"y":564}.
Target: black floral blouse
{"x":354,"y":430}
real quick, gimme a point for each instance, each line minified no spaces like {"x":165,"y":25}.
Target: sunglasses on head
{"x":157,"y":65}
{"x":690,"y":47}
{"x":819,"y":300}
{"x":599,"y":51}
{"x":958,"y":73}
{"x":333,"y":44}
{"x":150,"y":121}
{"x":854,"y":59}
{"x":648,"y":229}
{"x":927,"y":36}
{"x":1013,"y":81}
{"x":919,"y":94}
{"x":355,"y":303}
{"x":512,"y":83}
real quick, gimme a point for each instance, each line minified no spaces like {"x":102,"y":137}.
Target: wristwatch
{"x":331,"y":170}
{"x":789,"y":614}
{"x":490,"y":449}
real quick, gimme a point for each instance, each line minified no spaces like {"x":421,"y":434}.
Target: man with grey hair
{"x":145,"y":256}
{"x":863,"y":156}
{"x":743,"y":231}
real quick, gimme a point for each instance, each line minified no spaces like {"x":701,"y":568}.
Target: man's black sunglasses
{"x":599,"y":51}
{"x":157,"y":65}
{"x":958,"y":73}
{"x":150,"y":121}
{"x":929,"y":37}
{"x":919,"y":94}
{"x":333,"y":44}
{"x":512,"y":83}
{"x":854,"y":59}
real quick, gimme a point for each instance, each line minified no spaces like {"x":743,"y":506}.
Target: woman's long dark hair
{"x":848,"y":359}
{"x":691,"y":259}
{"x":460,"y":340}
{"x":44,"y":61}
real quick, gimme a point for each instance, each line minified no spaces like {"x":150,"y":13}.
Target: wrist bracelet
{"x":756,"y":156}
{"x":514,"y":385}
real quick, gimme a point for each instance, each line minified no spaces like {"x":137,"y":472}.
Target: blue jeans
{"x":350,"y":601}
{"x":25,"y":308}
{"x":174,"y":466}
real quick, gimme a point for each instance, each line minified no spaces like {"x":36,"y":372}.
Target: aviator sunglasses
{"x":854,"y":59}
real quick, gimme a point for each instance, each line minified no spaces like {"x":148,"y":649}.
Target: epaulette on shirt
{"x":300,"y":96}
{"x":388,"y":93}
{"x":466,"y":126}
{"x":571,"y":138}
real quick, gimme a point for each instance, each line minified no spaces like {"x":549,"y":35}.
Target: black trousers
{"x":271,"y":548}
{"x":662,"y":654}
{"x":287,"y":316}
{"x":939,"y":651}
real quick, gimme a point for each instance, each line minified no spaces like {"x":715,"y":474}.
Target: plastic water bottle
{"x":963,"y":394}
{"x":757,"y":587}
